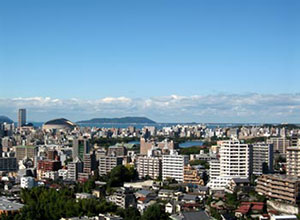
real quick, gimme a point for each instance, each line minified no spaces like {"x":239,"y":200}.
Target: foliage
{"x":191,"y":150}
{"x":231,"y":200}
{"x":54,"y":204}
{"x":155,"y":212}
{"x":121,"y":174}
{"x":203,"y":163}
{"x":106,"y":142}
{"x":255,"y":140}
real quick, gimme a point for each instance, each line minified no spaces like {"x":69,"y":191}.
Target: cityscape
{"x":149,"y":110}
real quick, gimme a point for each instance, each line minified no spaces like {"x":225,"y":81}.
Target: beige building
{"x":25,"y":152}
{"x":107,"y":163}
{"x":279,"y":187}
{"x":191,"y":175}
{"x":149,"y":166}
{"x":293,"y":161}
{"x":280,"y":144}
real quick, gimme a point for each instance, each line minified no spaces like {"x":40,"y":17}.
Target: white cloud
{"x":173,"y":108}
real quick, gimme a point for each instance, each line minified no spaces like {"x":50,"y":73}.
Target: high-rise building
{"x":235,"y":162}
{"x":21,"y":117}
{"x":262,"y":158}
{"x":81,"y":146}
{"x":173,"y":166}
{"x":293,"y":161}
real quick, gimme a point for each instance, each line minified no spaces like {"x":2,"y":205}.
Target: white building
{"x":63,"y":173}
{"x":173,"y":166}
{"x":234,"y":162}
{"x":27,"y":182}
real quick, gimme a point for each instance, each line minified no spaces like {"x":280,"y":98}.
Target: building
{"x":45,"y":166}
{"x":117,"y":151}
{"x":173,"y":166}
{"x":165,"y":145}
{"x":234,"y":162}
{"x":107,"y":163}
{"x":27,"y":182}
{"x":262,"y":158}
{"x":8,"y":207}
{"x":123,"y":197}
{"x":149,"y":167}
{"x":8,"y":164}
{"x":280,"y":144}
{"x":21,"y":117}
{"x":59,"y":124}
{"x":293,"y":161}
{"x":89,"y":163}
{"x":23,"y":152}
{"x":74,"y":168}
{"x":81,"y":146}
{"x":192,"y":176}
{"x":279,"y":187}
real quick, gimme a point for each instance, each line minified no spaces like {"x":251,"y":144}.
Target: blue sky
{"x":141,"y":50}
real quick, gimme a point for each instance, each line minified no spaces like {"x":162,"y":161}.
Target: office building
{"x":279,"y":187}
{"x":8,"y":164}
{"x":81,"y":146}
{"x":21,"y":117}
{"x":173,"y":166}
{"x":262,"y":158}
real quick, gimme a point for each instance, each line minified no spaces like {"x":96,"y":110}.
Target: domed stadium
{"x":60,"y":123}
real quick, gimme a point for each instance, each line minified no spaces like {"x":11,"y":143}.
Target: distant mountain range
{"x":124,"y":120}
{"x":5,"y":119}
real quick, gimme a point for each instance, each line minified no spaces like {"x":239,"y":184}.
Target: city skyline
{"x":169,"y":61}
{"x":222,"y":108}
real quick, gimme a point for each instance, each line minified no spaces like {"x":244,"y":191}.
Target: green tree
{"x":155,"y":212}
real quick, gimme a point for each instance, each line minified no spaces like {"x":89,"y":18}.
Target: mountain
{"x":124,"y":120}
{"x":5,"y":119}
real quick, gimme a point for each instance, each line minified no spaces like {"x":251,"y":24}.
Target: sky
{"x":169,"y":60}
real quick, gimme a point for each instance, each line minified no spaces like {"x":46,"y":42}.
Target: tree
{"x":155,"y":212}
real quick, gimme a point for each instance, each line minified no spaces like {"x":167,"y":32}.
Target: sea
{"x":157,"y":125}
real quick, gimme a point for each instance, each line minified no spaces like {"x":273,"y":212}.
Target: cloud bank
{"x":259,"y":108}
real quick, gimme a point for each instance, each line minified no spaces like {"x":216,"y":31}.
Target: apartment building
{"x":192,"y":176}
{"x":234,"y":162}
{"x":74,"y":168}
{"x":173,"y":166}
{"x":107,"y":163}
{"x":293,"y":161}
{"x":279,"y":187}
{"x":149,"y":167}
{"x":280,"y":144}
{"x":262,"y":159}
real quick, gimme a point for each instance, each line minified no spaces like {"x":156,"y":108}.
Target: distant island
{"x":6,"y":119}
{"x":124,"y":120}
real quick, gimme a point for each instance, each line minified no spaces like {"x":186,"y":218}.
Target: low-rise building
{"x":279,"y":187}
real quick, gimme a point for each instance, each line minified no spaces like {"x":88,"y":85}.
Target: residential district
{"x":64,"y":171}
